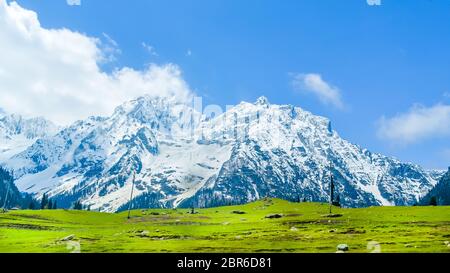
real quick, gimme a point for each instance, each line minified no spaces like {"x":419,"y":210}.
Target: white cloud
{"x":55,"y":72}
{"x":109,"y":49}
{"x":150,"y":49}
{"x":314,"y":84}
{"x":188,"y":53}
{"x":418,"y":124}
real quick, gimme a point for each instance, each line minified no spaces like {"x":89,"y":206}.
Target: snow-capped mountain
{"x":182,"y":157}
{"x":18,"y":133}
{"x":440,"y":192}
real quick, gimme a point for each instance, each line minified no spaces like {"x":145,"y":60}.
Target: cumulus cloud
{"x":314,"y":84}
{"x":55,"y":73}
{"x":419,"y":123}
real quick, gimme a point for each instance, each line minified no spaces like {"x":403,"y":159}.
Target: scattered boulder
{"x":225,"y":223}
{"x":274,"y":216}
{"x":374,"y":247}
{"x":294,"y":229}
{"x":68,"y":238}
{"x":73,"y":246}
{"x":144,"y":233}
{"x":340,"y":251}
{"x":342,"y":247}
{"x":333,"y":230}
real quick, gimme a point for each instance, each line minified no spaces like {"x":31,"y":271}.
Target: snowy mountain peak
{"x":17,"y":133}
{"x":262,"y":101}
{"x":31,"y":128}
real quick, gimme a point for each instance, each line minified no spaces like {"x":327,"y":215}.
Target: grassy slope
{"x":304,"y":228}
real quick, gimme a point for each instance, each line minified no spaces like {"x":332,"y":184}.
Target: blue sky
{"x":382,"y":60}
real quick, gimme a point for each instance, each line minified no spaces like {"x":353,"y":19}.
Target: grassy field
{"x":304,"y":227}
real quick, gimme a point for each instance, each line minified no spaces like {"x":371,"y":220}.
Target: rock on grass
{"x":342,"y":247}
{"x":68,"y":238}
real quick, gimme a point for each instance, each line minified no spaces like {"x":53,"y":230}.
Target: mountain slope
{"x":9,"y":194}
{"x":182,"y":158}
{"x":441,"y":192}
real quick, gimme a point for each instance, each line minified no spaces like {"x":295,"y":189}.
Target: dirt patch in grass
{"x":202,"y":217}
{"x":189,"y":223}
{"x":311,"y":222}
{"x":26,"y":226}
{"x":89,"y":239}
{"x":31,"y":216}
{"x":293,"y":215}
{"x":333,"y":215}
{"x":164,"y":219}
{"x":415,"y":223}
{"x":151,"y":219}
{"x":425,"y":223}
{"x":352,"y":231}
{"x":268,"y":250}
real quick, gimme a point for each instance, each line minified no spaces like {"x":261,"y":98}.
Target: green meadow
{"x":301,"y":227}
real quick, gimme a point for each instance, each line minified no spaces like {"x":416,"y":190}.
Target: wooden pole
{"x":131,"y":195}
{"x":7,"y":191}
{"x":331,"y":187}
{"x":6,"y":196}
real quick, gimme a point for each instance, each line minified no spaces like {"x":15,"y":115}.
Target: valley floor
{"x":303,"y":227}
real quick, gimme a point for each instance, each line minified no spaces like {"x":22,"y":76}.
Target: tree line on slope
{"x":440,"y":194}
{"x":11,"y":197}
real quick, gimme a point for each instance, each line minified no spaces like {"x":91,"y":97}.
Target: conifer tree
{"x":433,"y":201}
{"x":44,"y":201}
{"x":78,"y":205}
